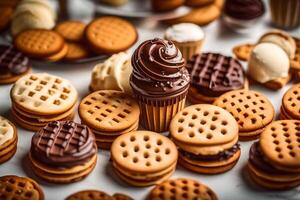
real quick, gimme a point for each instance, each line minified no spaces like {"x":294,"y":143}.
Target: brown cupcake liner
{"x":188,"y":49}
{"x":158,"y":118}
{"x":285,"y":14}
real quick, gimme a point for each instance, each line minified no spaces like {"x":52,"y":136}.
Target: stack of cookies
{"x":291,"y":103}
{"x":207,"y":138}
{"x":8,"y":139}
{"x":41,"y":98}
{"x":274,"y":161}
{"x":109,"y":114}
{"x":63,"y":152}
{"x":143,"y":158}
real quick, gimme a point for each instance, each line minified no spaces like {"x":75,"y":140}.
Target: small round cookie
{"x":110,"y":35}
{"x":251,"y":109}
{"x":60,"y":55}
{"x":8,"y":140}
{"x":90,"y":195}
{"x":143,"y":158}
{"x":14,"y":187}
{"x":76,"y":51}
{"x":39,"y":43}
{"x":185,"y":189}
{"x":13,"y":64}
{"x":72,"y":31}
{"x":198,"y":3}
{"x":243,"y":51}
{"x":290,"y":103}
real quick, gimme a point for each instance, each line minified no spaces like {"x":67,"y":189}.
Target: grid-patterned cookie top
{"x":109,"y":110}
{"x":111,"y":33}
{"x":291,"y":101}
{"x":63,"y":143}
{"x":251,"y":109}
{"x":280,"y":143}
{"x":13,"y":187}
{"x":181,"y":189}
{"x":295,"y":63}
{"x":144,"y":152}
{"x":71,"y":30}
{"x":90,"y":195}
{"x":203,"y":124}
{"x":43,"y":94}
{"x":39,"y":42}
{"x":6,"y":130}
{"x":214,"y":74}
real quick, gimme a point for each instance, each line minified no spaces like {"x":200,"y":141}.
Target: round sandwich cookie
{"x":8,"y":140}
{"x":110,"y":35}
{"x":213,"y":75}
{"x":274,"y":161}
{"x":15,"y":187}
{"x":143,"y":158}
{"x":13,"y":64}
{"x":290,"y":103}
{"x":97,"y":195}
{"x":109,"y":114}
{"x":207,"y":139}
{"x":63,"y":152}
{"x":41,"y":98}
{"x":184,"y":189}
{"x":295,"y":62}
{"x":72,"y":31}
{"x":252,"y":111}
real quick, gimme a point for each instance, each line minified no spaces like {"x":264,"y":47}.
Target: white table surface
{"x":233,"y":185}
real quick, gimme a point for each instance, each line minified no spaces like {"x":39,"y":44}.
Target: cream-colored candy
{"x":184,"y":32}
{"x":113,"y":74}
{"x":6,"y":130}
{"x":268,"y":62}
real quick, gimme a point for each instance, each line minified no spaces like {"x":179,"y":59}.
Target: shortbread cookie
{"x":243,"y":51}
{"x":39,"y":43}
{"x":251,"y":109}
{"x":110,"y":35}
{"x":185,"y":189}
{"x":72,"y":31}
{"x":113,"y":74}
{"x":274,"y":161}
{"x":207,"y":137}
{"x":13,"y":64}
{"x":5,"y":17}
{"x":14,"y":187}
{"x":76,"y":51}
{"x":109,"y":113}
{"x":143,"y":158}
{"x":290,"y":103}
{"x":70,"y":156}
{"x":8,"y":140}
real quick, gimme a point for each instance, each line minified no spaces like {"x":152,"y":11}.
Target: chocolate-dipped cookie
{"x":212,"y":75}
{"x":159,"y":82}
{"x":63,"y":152}
{"x":13,"y":64}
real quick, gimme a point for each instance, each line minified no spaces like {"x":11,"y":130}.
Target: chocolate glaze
{"x":213,"y":74}
{"x":224,"y":155}
{"x":244,"y":9}
{"x":159,"y":71}
{"x":12,"y":61}
{"x":63,"y":144}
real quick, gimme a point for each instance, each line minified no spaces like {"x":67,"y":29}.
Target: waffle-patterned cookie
{"x":251,"y":109}
{"x":43,"y":94}
{"x":243,"y":51}
{"x":6,"y":131}
{"x":90,"y":195}
{"x":72,"y":31}
{"x":185,"y":189}
{"x":109,"y":110}
{"x":214,"y":74}
{"x":14,"y":187}
{"x":110,"y":35}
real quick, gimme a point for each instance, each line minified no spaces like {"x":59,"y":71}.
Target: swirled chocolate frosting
{"x":63,"y":144}
{"x":244,"y":9}
{"x":12,"y":61}
{"x":159,"y":71}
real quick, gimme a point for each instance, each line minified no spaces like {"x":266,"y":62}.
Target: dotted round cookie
{"x":184,"y":189}
{"x":109,"y":110}
{"x":89,"y":195}
{"x":295,"y":63}
{"x":280,"y":143}
{"x":43,"y":93}
{"x":203,"y":124}
{"x":111,"y":34}
{"x":143,"y":151}
{"x":251,"y":109}
{"x":14,"y":187}
{"x":39,"y":43}
{"x":291,"y":101}
{"x":72,"y":31}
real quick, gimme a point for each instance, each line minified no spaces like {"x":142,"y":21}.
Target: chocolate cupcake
{"x":241,"y":15}
{"x":159,"y":81}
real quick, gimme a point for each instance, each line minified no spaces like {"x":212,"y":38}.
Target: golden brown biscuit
{"x":76,"y":51}
{"x":290,"y":103}
{"x":243,"y":51}
{"x":72,"y":31}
